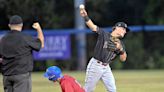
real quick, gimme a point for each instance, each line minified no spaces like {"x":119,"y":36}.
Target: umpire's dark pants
{"x":17,"y":83}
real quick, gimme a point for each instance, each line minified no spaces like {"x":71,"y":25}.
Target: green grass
{"x":126,"y":81}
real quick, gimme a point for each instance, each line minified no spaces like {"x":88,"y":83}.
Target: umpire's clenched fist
{"x":36,"y":26}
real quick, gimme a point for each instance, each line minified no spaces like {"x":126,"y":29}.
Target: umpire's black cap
{"x":15,"y":19}
{"x":122,"y":24}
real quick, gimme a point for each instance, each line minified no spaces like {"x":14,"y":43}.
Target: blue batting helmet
{"x":53,"y":73}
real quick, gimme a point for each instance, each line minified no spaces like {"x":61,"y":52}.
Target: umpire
{"x":16,"y":51}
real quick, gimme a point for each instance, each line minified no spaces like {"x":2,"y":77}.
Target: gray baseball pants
{"x":95,"y":72}
{"x":17,"y":83}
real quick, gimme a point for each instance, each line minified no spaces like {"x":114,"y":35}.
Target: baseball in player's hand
{"x":83,"y":12}
{"x":36,"y":26}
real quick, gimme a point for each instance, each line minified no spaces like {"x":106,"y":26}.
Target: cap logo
{"x":126,"y":25}
{"x":52,"y":76}
{"x":119,"y":25}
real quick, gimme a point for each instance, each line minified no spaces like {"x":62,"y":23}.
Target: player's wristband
{"x":121,"y":52}
{"x":86,"y":18}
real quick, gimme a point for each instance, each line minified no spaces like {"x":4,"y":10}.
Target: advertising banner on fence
{"x":55,"y":47}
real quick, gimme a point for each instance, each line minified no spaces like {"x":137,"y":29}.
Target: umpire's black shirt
{"x":16,"y":51}
{"x":101,"y":51}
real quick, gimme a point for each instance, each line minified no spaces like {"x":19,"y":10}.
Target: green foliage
{"x":160,"y":64}
{"x":50,"y":13}
{"x":145,"y":50}
{"x":154,"y":12}
{"x":135,"y":51}
{"x":108,"y":12}
{"x":32,"y":10}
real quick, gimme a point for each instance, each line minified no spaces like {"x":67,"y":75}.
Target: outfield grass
{"x":126,"y":81}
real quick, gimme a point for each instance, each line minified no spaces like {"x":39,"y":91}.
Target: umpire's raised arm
{"x":40,"y":33}
{"x":88,"y":21}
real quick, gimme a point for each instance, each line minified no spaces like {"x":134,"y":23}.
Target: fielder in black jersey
{"x":108,"y":46}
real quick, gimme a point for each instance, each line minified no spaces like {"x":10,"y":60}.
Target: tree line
{"x":145,"y":49}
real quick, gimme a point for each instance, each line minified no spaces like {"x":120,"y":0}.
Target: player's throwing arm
{"x":88,"y":21}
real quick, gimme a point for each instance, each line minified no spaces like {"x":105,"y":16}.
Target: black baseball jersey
{"x":101,"y":51}
{"x":16,"y":51}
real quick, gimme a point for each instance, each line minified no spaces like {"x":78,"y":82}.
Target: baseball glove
{"x":118,"y":45}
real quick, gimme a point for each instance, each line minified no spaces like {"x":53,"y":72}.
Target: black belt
{"x":104,"y":64}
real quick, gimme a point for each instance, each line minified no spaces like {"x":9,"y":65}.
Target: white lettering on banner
{"x":56,"y":47}
{"x":54,"y":43}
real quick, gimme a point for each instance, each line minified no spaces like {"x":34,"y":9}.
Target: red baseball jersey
{"x":69,"y":84}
